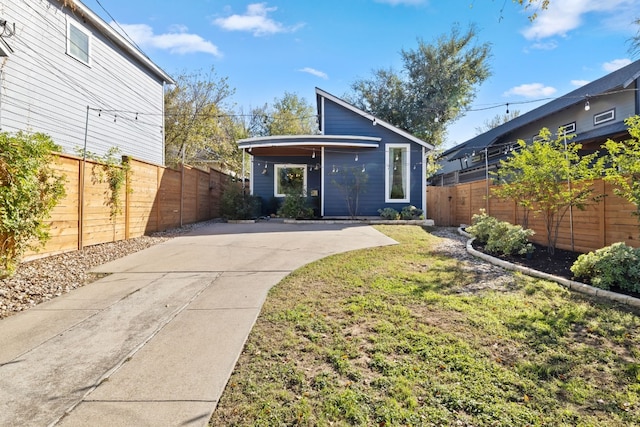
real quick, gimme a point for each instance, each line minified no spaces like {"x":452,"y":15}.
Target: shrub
{"x":295,"y":205}
{"x":615,"y":265}
{"x":234,"y":204}
{"x":500,"y":236}
{"x":481,"y":227}
{"x":389,"y":213}
{"x":411,"y":212}
{"x":29,"y":190}
{"x":509,"y":239}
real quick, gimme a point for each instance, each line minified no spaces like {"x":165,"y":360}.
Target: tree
{"x":438,"y":82}
{"x":634,"y":42}
{"x":198,"y":125}
{"x":290,"y":115}
{"x":29,"y":190}
{"x":551,"y":176}
{"x":624,"y":158}
{"x":497,"y":120}
{"x":351,"y":182}
{"x":541,"y":4}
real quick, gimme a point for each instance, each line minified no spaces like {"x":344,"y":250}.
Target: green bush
{"x":509,"y":239}
{"x":29,"y":190}
{"x":411,"y":212}
{"x":389,"y":213}
{"x":500,"y":237}
{"x":295,"y":205}
{"x":481,"y":226}
{"x":235,"y":204}
{"x":616,"y":265}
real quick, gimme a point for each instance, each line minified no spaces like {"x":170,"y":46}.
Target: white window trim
{"x":276,"y":176}
{"x":77,"y":25}
{"x":568,"y":128}
{"x":407,"y":171}
{"x":611,"y":113}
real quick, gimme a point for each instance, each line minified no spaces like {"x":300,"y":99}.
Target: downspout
{"x":164,"y":139}
{"x":486,"y":173}
{"x":322,"y":172}
{"x":424,"y":182}
{"x":81,"y":186}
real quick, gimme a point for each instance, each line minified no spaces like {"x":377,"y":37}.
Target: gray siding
{"x":45,"y":90}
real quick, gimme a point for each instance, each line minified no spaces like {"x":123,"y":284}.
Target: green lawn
{"x":400,"y":335}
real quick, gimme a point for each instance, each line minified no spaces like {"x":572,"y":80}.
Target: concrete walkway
{"x":154,"y":342}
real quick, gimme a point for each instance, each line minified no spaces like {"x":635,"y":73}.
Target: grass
{"x":401,"y":335}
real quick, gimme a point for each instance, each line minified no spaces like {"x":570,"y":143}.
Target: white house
{"x":66,"y":72}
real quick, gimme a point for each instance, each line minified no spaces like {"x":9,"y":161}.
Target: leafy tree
{"x":198,"y":125}
{"x":634,"y":42}
{"x":289,"y":115}
{"x":624,"y":157}
{"x":497,"y":120}
{"x":540,"y":4}
{"x":29,"y":190}
{"x":437,"y":83}
{"x":351,"y":182}
{"x":552,"y":176}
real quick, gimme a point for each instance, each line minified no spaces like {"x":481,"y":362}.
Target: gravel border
{"x":571,"y":284}
{"x":45,"y":278}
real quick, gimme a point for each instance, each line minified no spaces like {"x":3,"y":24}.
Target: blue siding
{"x":341,"y":121}
{"x":263,"y":184}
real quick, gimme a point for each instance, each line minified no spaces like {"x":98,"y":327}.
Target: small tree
{"x":624,"y":157}
{"x":351,"y":182}
{"x":29,"y":190}
{"x":553,"y":176}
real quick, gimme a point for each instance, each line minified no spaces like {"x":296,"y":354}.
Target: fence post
{"x":127,"y":199}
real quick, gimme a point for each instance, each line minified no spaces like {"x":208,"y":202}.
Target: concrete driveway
{"x":155,"y":341}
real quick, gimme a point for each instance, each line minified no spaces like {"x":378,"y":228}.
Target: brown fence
{"x":155,"y":199}
{"x":599,"y":225}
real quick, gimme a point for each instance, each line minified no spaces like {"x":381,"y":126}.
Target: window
{"x":397,"y":177}
{"x":289,"y":178}
{"x":78,"y":42}
{"x":568,"y":128}
{"x":605,"y":116}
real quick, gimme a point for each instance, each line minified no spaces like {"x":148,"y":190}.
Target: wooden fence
{"x":155,"y":199}
{"x":599,"y":225}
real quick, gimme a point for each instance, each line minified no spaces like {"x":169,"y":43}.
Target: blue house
{"x":354,"y":166}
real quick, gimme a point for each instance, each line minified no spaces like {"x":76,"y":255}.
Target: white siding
{"x":45,"y":90}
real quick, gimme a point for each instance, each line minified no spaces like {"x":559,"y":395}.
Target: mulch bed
{"x":558,"y":264}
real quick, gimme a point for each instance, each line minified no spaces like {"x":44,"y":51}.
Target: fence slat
{"x":603,"y":224}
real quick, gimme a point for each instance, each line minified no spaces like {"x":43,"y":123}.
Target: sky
{"x":268,"y":48}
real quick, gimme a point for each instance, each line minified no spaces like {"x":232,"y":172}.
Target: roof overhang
{"x":298,"y":144}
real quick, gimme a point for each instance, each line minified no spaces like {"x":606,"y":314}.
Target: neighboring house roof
{"x":322,"y":94}
{"x":619,"y":79}
{"x":118,"y":39}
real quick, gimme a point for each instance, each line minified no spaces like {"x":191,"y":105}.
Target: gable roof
{"x":322,"y":94}
{"x":619,"y":79}
{"x":118,"y":39}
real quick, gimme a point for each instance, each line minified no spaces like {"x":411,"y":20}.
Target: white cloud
{"x":566,"y":15}
{"x":255,"y":20}
{"x":616,"y":64}
{"x":579,"y":83}
{"x":550,"y":45}
{"x":402,"y":2}
{"x":314,"y":72}
{"x":176,"y":41}
{"x":531,"y":90}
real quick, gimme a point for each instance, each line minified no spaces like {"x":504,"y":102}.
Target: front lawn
{"x":400,"y":335}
